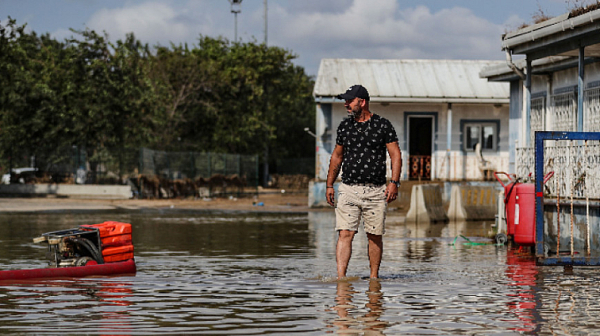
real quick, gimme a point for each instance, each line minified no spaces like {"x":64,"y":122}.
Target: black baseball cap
{"x":355,"y":91}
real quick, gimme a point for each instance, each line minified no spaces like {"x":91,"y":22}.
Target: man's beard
{"x":355,"y":114}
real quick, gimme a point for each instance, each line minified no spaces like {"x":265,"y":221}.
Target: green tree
{"x":32,"y":93}
{"x":87,"y":92}
{"x":183,"y":80}
{"x":113,"y":102}
{"x":266,"y":98}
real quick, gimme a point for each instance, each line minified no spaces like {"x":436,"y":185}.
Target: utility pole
{"x":236,"y":8}
{"x":265,"y":2}
{"x":266,"y":149}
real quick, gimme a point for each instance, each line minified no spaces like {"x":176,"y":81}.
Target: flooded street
{"x":251,"y":274}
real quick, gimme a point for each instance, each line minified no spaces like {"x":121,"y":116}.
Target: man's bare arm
{"x":396,"y":159}
{"x":335,"y":165}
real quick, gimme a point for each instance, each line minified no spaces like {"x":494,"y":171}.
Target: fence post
{"x":193,"y":157}
{"x":256,"y":172}
{"x":168,"y":165}
{"x":209,"y":166}
{"x":141,"y":161}
{"x":120,"y":158}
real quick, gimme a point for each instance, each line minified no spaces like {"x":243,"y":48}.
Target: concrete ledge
{"x":470,"y":202}
{"x":426,"y":204}
{"x":68,"y":190}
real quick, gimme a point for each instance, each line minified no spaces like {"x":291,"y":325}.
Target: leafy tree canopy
{"x":241,"y":98}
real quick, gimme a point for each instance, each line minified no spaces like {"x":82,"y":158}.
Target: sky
{"x":310,"y":29}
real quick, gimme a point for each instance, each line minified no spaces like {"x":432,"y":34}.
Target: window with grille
{"x":564,"y":111}
{"x":591,"y":110}
{"x":537,"y":120}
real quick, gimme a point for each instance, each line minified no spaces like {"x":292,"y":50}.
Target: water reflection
{"x":522,"y":273}
{"x":53,"y":305}
{"x":353,"y":320}
{"x":118,"y":296}
{"x":219,"y":273}
{"x":232,"y":235}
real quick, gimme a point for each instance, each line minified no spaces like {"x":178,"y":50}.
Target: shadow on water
{"x":243,"y":273}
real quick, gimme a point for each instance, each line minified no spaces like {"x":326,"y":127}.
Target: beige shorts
{"x":361,"y":202}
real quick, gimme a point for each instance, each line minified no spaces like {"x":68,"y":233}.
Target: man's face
{"x":353,"y":107}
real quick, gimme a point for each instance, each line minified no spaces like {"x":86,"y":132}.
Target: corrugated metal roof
{"x":537,"y":34}
{"x":411,"y":80}
{"x":503,"y":72}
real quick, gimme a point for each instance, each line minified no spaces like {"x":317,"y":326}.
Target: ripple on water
{"x":275,"y":274}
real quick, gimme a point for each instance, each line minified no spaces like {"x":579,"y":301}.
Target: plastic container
{"x":115,"y":238}
{"x":509,"y":202}
{"x":112,"y":233}
{"x":519,"y":199}
{"x":524,"y":214}
{"x":118,"y":253}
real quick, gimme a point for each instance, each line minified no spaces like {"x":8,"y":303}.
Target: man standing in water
{"x":362,"y":140}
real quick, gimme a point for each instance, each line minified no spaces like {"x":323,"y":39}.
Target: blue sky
{"x":312,"y":29}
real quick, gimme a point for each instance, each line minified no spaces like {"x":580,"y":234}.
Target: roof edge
{"x":504,"y":69}
{"x":330,"y":99}
{"x":562,"y":23}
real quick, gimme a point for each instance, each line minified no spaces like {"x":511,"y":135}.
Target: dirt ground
{"x":266,"y":201}
{"x":270,"y":202}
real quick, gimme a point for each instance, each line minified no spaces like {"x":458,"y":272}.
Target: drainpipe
{"x":547,"y":123}
{"x":581,"y":73}
{"x":512,"y":66}
{"x":528,"y":104}
{"x":448,"y":141}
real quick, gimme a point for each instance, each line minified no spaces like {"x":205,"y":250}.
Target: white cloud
{"x":314,"y":30}
{"x":329,"y":6}
{"x":386,"y":31}
{"x":151,"y":21}
{"x":513,"y":22}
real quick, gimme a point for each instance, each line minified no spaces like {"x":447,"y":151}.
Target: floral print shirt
{"x":364,"y":146}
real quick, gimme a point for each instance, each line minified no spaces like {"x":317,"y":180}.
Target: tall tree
{"x":183,"y":79}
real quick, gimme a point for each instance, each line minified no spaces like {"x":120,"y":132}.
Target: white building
{"x":555,"y":88}
{"x":440,"y":109}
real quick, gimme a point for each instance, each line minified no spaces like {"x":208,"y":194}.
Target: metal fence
{"x":76,"y":165}
{"x":123,"y":166}
{"x":296,"y":166}
{"x":566,"y":198}
{"x":194,"y":165}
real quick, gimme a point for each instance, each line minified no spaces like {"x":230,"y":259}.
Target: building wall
{"x":449,"y":162}
{"x":514,"y":122}
{"x":545,"y":86}
{"x":564,"y":79}
{"x":552,"y":84}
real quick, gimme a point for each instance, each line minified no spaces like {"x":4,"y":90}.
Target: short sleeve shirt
{"x":365,"y":149}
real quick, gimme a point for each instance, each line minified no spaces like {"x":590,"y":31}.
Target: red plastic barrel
{"x":524,"y":214}
{"x":510,"y":194}
{"x":509,"y":202}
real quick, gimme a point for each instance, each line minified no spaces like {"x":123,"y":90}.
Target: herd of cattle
{"x":156,"y":186}
{"x":217,"y":185}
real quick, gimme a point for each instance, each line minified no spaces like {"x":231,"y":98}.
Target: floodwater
{"x":256,"y":274}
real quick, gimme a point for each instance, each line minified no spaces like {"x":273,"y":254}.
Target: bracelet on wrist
{"x":329,"y":186}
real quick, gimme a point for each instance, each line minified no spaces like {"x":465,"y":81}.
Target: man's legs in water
{"x":375,"y":253}
{"x":344,"y":251}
